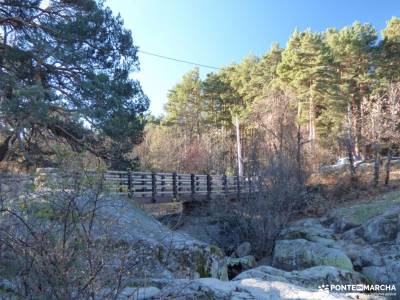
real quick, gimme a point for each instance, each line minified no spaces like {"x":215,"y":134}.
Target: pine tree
{"x":353,"y":48}
{"x":389,"y":52}
{"x":239,"y":77}
{"x":185,"y":107}
{"x":219,"y":98}
{"x":264,"y":75}
{"x":307,"y":68}
{"x":64,"y":76}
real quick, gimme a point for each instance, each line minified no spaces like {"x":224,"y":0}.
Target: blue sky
{"x":220,"y":32}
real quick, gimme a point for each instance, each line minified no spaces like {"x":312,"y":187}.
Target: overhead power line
{"x":178,"y":60}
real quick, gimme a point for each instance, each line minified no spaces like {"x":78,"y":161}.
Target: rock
{"x":238,"y":265}
{"x":360,"y":253}
{"x":388,"y":250}
{"x":311,"y":277}
{"x":339,"y":224}
{"x":150,"y":250}
{"x":244,"y":249}
{"x":265,"y":273}
{"x":204,"y":288}
{"x":388,"y":273}
{"x":367,"y":257}
{"x":310,"y":230}
{"x":353,"y":235}
{"x":5,"y":188}
{"x":364,"y":237}
{"x":382,"y":228}
{"x":139,"y":293}
{"x":393,"y":268}
{"x":6,"y":285}
{"x":203,"y":228}
{"x":376,"y":274}
{"x":300,"y":254}
{"x":244,"y":289}
{"x":159,"y":251}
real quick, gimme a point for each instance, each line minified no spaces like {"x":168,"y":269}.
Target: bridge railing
{"x":162,"y":187}
{"x":176,"y":186}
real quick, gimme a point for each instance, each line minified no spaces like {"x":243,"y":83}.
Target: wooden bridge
{"x":148,"y":187}
{"x":158,"y":192}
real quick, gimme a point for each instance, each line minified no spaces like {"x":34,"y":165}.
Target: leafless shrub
{"x":50,"y":249}
{"x":280,"y":167}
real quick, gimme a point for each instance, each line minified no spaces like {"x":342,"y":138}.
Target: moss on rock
{"x":300,"y":254}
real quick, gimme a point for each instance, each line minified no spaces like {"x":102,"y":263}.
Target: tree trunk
{"x":311,"y":116}
{"x":389,"y":159}
{"x":239,"y":147}
{"x":352,"y":169}
{"x":356,"y":124}
{"x":376,"y":165}
{"x":298,"y":156}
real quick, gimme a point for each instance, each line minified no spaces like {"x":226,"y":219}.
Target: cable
{"x":178,"y":60}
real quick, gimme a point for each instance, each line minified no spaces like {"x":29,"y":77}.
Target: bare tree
{"x":348,"y":140}
{"x":392,"y":125}
{"x":382,"y":128}
{"x":279,"y":192}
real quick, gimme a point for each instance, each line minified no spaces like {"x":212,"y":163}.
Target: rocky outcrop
{"x":158,"y":251}
{"x":143,"y":293}
{"x":149,"y":250}
{"x":261,"y":283}
{"x":364,"y":238}
{"x":308,"y":229}
{"x":335,"y":249}
{"x":243,"y":289}
{"x":307,"y":243}
{"x":373,"y":245}
{"x":311,"y":277}
{"x":382,"y":228}
{"x":300,"y":254}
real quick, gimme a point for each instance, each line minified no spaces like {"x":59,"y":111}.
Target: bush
{"x":50,"y":249}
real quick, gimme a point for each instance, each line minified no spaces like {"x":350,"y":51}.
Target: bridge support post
{"x":225,"y":185}
{"x":209,"y":187}
{"x":238,"y":187}
{"x":130,"y":194}
{"x":153,"y":187}
{"x":192,"y":185}
{"x":174,"y":186}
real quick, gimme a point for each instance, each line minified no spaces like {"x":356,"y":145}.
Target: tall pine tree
{"x":389,"y":52}
{"x":185,"y":105}
{"x":307,"y":68}
{"x":64,"y":76}
{"x":353,"y":48}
